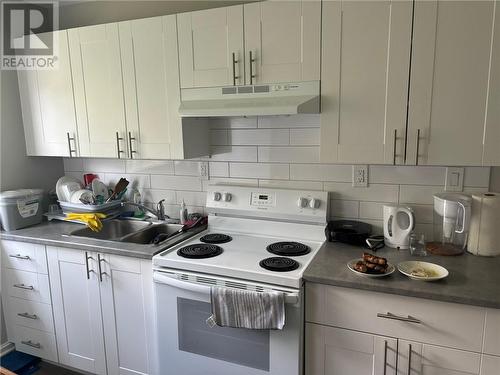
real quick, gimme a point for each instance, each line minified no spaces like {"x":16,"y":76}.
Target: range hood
{"x":255,"y":100}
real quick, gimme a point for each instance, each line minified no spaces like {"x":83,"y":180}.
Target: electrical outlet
{"x":454,"y":179}
{"x":360,"y":175}
{"x":203,"y":170}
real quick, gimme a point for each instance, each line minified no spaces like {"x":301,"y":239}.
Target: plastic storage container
{"x":20,"y":208}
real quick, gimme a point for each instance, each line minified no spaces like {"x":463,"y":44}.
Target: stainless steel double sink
{"x":139,"y":232}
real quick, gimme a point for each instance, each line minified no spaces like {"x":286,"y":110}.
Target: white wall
{"x":495,"y":179}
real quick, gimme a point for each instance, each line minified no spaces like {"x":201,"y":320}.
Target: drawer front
{"x":30,"y":314}
{"x":492,"y":332}
{"x":24,"y":256}
{"x":27,"y":285}
{"x":37,"y":343}
{"x":433,"y":322}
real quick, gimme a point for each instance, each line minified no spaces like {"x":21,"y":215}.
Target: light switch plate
{"x":454,"y":179}
{"x":360,"y":175}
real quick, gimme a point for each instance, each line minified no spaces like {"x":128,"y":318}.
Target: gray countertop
{"x":473,"y":280}
{"x":54,"y":233}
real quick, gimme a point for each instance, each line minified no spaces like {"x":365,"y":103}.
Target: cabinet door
{"x":77,"y":309}
{"x":335,"y":351}
{"x":490,"y":365}
{"x":284,"y":39}
{"x":47,"y":105}
{"x":364,"y":81}
{"x":409,"y":358}
{"x":450,"y":80}
{"x":151,"y":83}
{"x":207,"y":41}
{"x":438,"y":360}
{"x":97,"y":77}
{"x":127,"y":307}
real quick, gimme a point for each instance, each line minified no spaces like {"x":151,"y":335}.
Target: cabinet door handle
{"x":385,"y":357}
{"x":130,"y":139}
{"x":408,"y":319}
{"x":28,"y":316}
{"x":19,"y":256}
{"x":417,"y":151}
{"x":32,"y":344}
{"x":99,"y":261}
{"x":235,"y":77}
{"x":394,"y":147}
{"x":87,"y":268}
{"x":118,"y":139}
{"x":22,"y":286}
{"x":409,"y":359}
{"x":70,"y":138}
{"x":251,"y":61}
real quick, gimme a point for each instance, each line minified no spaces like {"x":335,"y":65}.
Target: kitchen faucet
{"x":159,"y":212}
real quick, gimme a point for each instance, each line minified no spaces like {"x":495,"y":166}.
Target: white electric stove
{"x":257,"y":239}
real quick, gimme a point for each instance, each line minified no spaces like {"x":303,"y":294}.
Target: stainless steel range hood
{"x":256,"y":100}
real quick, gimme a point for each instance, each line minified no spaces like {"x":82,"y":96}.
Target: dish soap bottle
{"x":183,"y":213}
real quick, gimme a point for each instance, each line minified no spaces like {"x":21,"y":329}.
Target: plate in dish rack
{"x":424,"y":271}
{"x":390,"y":269}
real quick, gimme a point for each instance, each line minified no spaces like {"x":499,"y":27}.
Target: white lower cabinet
{"x":356,"y":332}
{"x":335,"y":351}
{"x":101,"y":309}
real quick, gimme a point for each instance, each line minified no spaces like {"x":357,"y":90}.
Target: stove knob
{"x":302,"y":202}
{"x":217,"y":196}
{"x":314,"y":203}
{"x":226,"y":197}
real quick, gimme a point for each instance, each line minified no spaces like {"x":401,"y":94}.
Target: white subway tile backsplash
{"x":259,"y":137}
{"x":286,"y":154}
{"x":175,"y":182}
{"x":372,"y":193}
{"x":321,"y":172}
{"x":191,"y":198}
{"x":218,"y":137}
{"x":344,"y":209}
{"x":259,"y":170}
{"x":418,"y":194}
{"x":137,"y":181}
{"x":156,"y":195}
{"x":150,"y":166}
{"x":104,"y":165}
{"x":305,"y":137}
{"x":233,"y":123}
{"x":218,"y":169}
{"x":385,"y":174}
{"x":371,"y":210}
{"x":289,"y":184}
{"x":186,"y":168}
{"x":234,"y":153}
{"x":296,"y":121}
{"x":477,"y":177}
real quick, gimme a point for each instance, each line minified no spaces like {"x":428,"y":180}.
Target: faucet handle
{"x":160,"y":208}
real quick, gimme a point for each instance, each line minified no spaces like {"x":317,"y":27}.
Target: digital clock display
{"x":263,"y":197}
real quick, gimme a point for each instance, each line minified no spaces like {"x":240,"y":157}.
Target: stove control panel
{"x":263,"y":199}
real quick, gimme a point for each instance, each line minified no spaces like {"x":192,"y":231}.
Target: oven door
{"x":187,"y":345}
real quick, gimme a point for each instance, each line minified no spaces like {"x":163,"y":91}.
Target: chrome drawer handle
{"x":408,"y":319}
{"x":29,"y":316}
{"x":22,"y":286}
{"x":32,"y":344}
{"x":19,"y":256}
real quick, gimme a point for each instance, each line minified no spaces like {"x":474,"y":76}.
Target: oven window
{"x":237,"y":345}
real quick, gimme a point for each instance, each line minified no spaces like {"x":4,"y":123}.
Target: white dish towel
{"x":247,"y":309}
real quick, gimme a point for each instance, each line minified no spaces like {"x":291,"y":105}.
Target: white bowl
{"x":75,"y":196}
{"x":433,"y":271}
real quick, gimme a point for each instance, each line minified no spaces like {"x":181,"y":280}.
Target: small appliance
{"x":348,"y":231}
{"x":451,"y":223}
{"x":399,"y":222}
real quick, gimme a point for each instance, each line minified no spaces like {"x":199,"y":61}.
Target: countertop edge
{"x":404,"y":293}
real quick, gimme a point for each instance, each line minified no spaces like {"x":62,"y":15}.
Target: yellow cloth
{"x":93,"y":221}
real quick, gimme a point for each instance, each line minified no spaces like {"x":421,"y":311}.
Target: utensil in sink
{"x":190,"y":225}
{"x":120,"y":186}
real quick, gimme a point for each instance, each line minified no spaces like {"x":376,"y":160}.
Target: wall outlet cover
{"x":204,"y":170}
{"x":360,"y":175}
{"x":454,"y":179}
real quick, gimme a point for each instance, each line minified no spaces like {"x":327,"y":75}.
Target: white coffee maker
{"x":451,"y":223}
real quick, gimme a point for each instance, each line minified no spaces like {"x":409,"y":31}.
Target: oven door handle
{"x":163,"y":279}
{"x":158,"y":277}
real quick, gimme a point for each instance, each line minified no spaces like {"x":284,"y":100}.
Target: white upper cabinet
{"x":97,"y":79}
{"x":454,"y":85}
{"x":282,"y":41}
{"x":48,"y":107}
{"x":151,"y":85}
{"x":207,"y":41}
{"x":364,"y":81}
